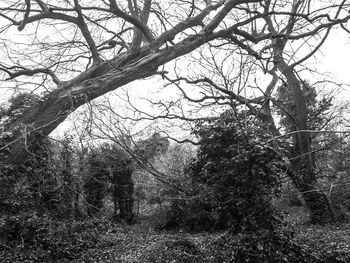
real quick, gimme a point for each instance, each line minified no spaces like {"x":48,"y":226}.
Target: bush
{"x":24,"y":229}
{"x":191,"y":215}
{"x":241,"y":168}
{"x":340,"y":198}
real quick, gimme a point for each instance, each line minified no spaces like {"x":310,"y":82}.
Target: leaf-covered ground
{"x":134,"y":245}
{"x":331,"y":242}
{"x":122,"y":243}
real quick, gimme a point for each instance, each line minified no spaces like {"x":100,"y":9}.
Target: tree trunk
{"x":126,"y":202}
{"x":317,"y":202}
{"x":302,"y":157}
{"x":123,"y":191}
{"x":77,"y":212}
{"x":38,"y":122}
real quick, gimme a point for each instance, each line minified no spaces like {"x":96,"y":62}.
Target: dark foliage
{"x":10,"y":200}
{"x":47,"y":239}
{"x":96,"y":184}
{"x":147,"y":149}
{"x":318,"y":108}
{"x":242,"y":168}
{"x":41,"y":176}
{"x":261,"y":246}
{"x":190,"y":214}
{"x":121,"y":184}
{"x":68,"y":190}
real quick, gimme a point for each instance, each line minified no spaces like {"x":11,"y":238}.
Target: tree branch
{"x":31,"y":72}
{"x":132,"y":20}
{"x":144,"y":15}
{"x":26,"y":15}
{"x":86,"y":33}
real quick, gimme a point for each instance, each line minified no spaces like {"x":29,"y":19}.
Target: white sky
{"x":336,"y":56}
{"x":332,"y":62}
{"x":334,"y":59}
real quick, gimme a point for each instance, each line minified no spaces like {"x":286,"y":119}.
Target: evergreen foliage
{"x":242,"y":168}
{"x":122,"y":185}
{"x":96,"y":184}
{"x":318,"y":107}
{"x":66,"y":172}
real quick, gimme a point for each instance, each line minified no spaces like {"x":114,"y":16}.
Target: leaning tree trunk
{"x":302,"y":157}
{"x":302,"y":171}
{"x":305,"y":180}
{"x":40,"y":120}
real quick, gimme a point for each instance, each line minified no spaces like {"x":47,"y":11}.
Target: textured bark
{"x":126,"y":201}
{"x":302,"y":156}
{"x":42,"y":119}
{"x":123,"y":193}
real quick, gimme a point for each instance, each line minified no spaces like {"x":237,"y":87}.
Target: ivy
{"x":242,"y":168}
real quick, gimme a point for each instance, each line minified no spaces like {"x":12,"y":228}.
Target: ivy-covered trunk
{"x":123,"y":193}
{"x":95,"y":184}
{"x":305,"y":181}
{"x":303,"y":158}
{"x":125,"y":201}
{"x":67,"y":210}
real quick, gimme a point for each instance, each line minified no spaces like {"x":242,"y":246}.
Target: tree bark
{"x":126,"y":201}
{"x":123,"y":192}
{"x":34,"y":125}
{"x":108,"y":75}
{"x":302,"y":157}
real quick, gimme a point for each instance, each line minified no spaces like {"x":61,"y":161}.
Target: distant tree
{"x":318,"y":107}
{"x":95,"y":185}
{"x":151,"y":147}
{"x":67,"y":176}
{"x":122,"y":186}
{"x":40,"y":172}
{"x":81,"y":171}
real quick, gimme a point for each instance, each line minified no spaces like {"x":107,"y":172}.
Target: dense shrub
{"x":11,"y":199}
{"x":340,"y":197}
{"x":191,"y":215}
{"x":95,"y":185}
{"x":234,"y":176}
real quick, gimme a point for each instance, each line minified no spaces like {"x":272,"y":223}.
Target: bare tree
{"x":79,"y":51}
{"x":75,"y":52}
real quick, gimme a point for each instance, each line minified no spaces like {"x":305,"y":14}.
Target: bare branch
{"x":86,"y":33}
{"x":132,"y":20}
{"x":26,"y":15}
{"x":144,"y":15}
{"x":32,"y":72}
{"x":42,"y":5}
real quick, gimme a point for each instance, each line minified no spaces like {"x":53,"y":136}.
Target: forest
{"x":174,"y":131}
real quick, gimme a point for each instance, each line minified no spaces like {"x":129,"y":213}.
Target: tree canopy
{"x":74,"y":51}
